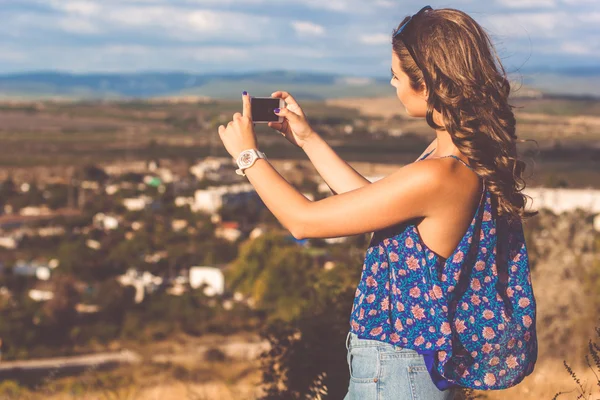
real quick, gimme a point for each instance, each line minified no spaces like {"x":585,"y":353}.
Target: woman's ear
{"x":424,"y":93}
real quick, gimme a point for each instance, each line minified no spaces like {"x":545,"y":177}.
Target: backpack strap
{"x":462,"y":358}
{"x":503,"y":244}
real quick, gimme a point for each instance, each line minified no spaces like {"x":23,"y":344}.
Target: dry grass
{"x":194,"y":378}
{"x":226,"y":381}
{"x":548,"y":378}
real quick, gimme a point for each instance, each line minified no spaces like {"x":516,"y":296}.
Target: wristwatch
{"x":247,"y":158}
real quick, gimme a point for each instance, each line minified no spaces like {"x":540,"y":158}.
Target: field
{"x":176,"y":369}
{"x":54,"y":135}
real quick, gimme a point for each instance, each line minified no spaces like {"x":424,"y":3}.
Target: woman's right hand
{"x":295,"y":127}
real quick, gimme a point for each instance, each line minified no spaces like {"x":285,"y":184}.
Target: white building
{"x":47,"y":231}
{"x":92,"y":185}
{"x":228,"y":231}
{"x":211,"y":199}
{"x":107,"y":222}
{"x":559,"y":200}
{"x":137,"y":203}
{"x":179,"y":224}
{"x":111,"y":189}
{"x":41,"y":272}
{"x":155,"y":257}
{"x":9,"y":242}
{"x":212,"y":276}
{"x":125,"y":167}
{"x":597,"y":223}
{"x":182,"y":201}
{"x":166,"y":175}
{"x":213,"y":168}
{"x":93,"y":244}
{"x":143,"y":282}
{"x":256,"y":232}
{"x":33,"y":211}
{"x":153,"y":165}
{"x":41,"y":295}
{"x":395,"y":132}
{"x":176,"y":290}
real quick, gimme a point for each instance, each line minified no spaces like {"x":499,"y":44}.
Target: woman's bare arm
{"x":337,"y":173}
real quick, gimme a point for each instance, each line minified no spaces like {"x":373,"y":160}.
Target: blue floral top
{"x":477,"y":331}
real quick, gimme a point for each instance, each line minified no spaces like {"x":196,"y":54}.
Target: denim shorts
{"x":381,"y":371}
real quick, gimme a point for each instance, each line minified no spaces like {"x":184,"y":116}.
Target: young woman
{"x":445,"y":297}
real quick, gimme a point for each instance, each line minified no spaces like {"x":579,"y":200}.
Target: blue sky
{"x":342,"y":36}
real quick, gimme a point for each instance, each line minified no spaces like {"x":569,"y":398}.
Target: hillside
{"x":306,"y":85}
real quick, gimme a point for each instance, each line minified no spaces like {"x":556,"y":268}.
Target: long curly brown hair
{"x":467,"y":84}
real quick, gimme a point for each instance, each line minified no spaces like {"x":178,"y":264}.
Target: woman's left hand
{"x":239,"y":134}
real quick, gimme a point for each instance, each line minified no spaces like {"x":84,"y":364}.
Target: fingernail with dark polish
{"x":276,"y":110}
{"x":244,"y":93}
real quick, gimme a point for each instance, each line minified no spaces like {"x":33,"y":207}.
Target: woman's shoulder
{"x":455,"y":180}
{"x":451,"y":167}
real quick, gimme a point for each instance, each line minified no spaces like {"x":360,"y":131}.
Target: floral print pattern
{"x":472,"y":316}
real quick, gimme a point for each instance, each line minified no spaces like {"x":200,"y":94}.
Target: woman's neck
{"x":444,"y":145}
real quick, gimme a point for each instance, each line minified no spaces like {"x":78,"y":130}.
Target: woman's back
{"x":443,"y":229}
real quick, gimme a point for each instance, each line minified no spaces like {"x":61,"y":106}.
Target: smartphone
{"x":262,"y":109}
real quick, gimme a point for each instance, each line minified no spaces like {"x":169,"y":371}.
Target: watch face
{"x":246,"y":158}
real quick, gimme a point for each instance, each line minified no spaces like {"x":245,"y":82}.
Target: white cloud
{"x":307,"y":28}
{"x":184,"y":24}
{"x":8,"y":54}
{"x":577,"y":48}
{"x":176,"y":22}
{"x":375,"y":39}
{"x":334,"y":5}
{"x":580,"y":2}
{"x":527,"y":3}
{"x":216,"y":53}
{"x":125,"y":58}
{"x":82,"y":8}
{"x":78,"y":25}
{"x":543,"y":24}
{"x":385,"y":3}
{"x":300,"y":52}
{"x":126,"y":49}
{"x":593,"y":18}
{"x":349,"y":6}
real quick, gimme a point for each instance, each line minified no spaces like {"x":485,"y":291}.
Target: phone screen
{"x":262,"y":109}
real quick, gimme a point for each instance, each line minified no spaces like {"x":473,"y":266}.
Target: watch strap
{"x":259,"y":154}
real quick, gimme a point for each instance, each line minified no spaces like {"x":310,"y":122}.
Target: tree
{"x":252,"y":259}
{"x":59,"y":313}
{"x":94,"y":173}
{"x":307,"y":355}
{"x":80,"y":261}
{"x":8,"y":189}
{"x":57,"y":196}
{"x":284,"y":286}
{"x":19,"y":334}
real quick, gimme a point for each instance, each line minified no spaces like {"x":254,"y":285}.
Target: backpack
{"x":488,"y":299}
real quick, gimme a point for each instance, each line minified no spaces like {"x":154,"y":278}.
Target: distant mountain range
{"x":33,"y":85}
